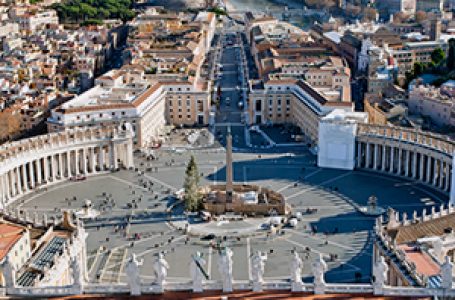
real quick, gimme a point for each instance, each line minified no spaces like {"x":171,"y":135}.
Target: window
{"x":113,"y":113}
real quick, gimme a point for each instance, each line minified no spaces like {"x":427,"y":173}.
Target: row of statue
{"x":225,"y":263}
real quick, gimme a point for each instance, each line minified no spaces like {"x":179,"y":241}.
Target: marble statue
{"x":446,"y":273}
{"x":257,"y":272}
{"x":197,"y":271}
{"x":160,"y":267}
{"x":296,"y":268}
{"x":133,"y":276}
{"x":438,"y":248}
{"x":76,"y":271}
{"x":380,"y":272}
{"x":225,"y":269}
{"x":8,"y":273}
{"x":319,"y":267}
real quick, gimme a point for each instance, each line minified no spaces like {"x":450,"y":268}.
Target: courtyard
{"x":136,"y":215}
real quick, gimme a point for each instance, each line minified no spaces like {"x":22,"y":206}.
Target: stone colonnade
{"x":397,"y":151}
{"x":48,"y":159}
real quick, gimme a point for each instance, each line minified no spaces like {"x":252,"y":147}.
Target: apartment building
{"x":292,"y":101}
{"x":430,"y":102}
{"x":14,"y":243}
{"x":126,"y":95}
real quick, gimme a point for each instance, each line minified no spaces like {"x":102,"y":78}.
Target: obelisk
{"x":229,"y":166}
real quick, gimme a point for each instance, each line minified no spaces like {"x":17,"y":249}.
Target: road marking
{"x":160,"y":182}
{"x":215,"y":171}
{"x":312,"y":173}
{"x":135,"y":242}
{"x":57,"y":187}
{"x":401,"y":183}
{"x":129,"y":183}
{"x":304,"y":246}
{"x":248,"y":254}
{"x":293,"y":183}
{"x":154,"y":249}
{"x":317,"y":186}
{"x":322,"y":240}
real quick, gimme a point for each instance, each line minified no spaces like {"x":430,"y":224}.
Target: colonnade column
{"x":92,"y":160}
{"x":422,"y":165}
{"x":18,"y":176}
{"x":24,"y":177}
{"x":129,"y":154}
{"x":406,"y":161}
{"x":114,"y":151}
{"x":76,"y":162}
{"x":392,"y":158}
{"x":447,"y":178}
{"x":428,"y":179}
{"x":101,"y":158}
{"x":441,"y":174}
{"x":12,"y":183}
{"x":367,"y":159}
{"x":435,"y":171}
{"x":84,"y":161}
{"x":38,"y":171}
{"x":53,"y":168}
{"x":384,"y":156}
{"x":68,"y":163}
{"x":60,"y":166}
{"x":46,"y":168}
{"x":376,"y":154}
{"x":31,"y":174}
{"x":399,"y":160}
{"x":414,"y":165}
{"x":5,"y":188}
{"x":359,"y":154}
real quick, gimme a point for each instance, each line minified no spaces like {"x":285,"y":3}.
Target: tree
{"x":193,"y":199}
{"x":437,"y":56}
{"x":353,"y":10}
{"x":421,"y":16}
{"x":418,"y":69}
{"x":9,"y":125}
{"x":451,"y":56}
{"x":399,"y":17}
{"x":369,"y":14}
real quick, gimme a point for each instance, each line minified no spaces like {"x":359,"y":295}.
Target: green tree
{"x":193,"y":199}
{"x":451,"y":56}
{"x":418,"y":69}
{"x":437,"y":56}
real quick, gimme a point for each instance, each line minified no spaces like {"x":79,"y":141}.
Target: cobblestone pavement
{"x":144,"y":200}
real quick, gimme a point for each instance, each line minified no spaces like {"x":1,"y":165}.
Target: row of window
{"x":180,"y":116}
